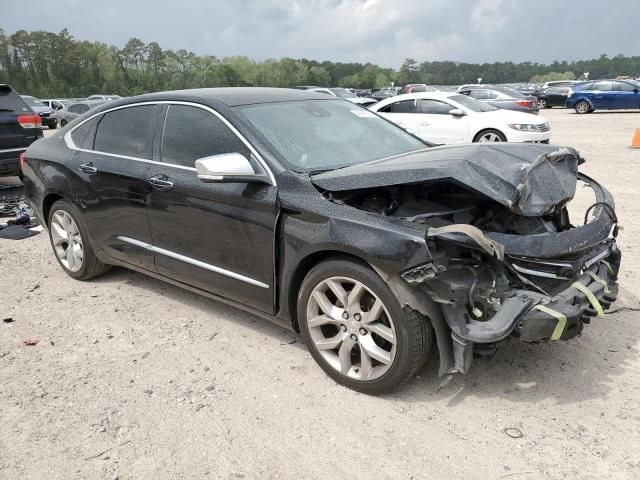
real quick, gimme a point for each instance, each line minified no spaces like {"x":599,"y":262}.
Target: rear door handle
{"x":88,"y":168}
{"x":160,"y":182}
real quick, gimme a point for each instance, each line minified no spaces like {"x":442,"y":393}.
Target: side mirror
{"x":456,"y":112}
{"x":228,"y":168}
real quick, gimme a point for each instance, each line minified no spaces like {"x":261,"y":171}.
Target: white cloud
{"x":378,"y":31}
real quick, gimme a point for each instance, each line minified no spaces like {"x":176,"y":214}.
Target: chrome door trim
{"x":192,"y":261}
{"x":69,"y":141}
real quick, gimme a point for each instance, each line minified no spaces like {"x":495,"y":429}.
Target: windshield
{"x":317,"y":135}
{"x":472,"y":104}
{"x":343,"y":93}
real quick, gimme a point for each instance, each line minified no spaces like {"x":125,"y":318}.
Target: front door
{"x":218,"y":237}
{"x":627,"y":95}
{"x":108,"y":178}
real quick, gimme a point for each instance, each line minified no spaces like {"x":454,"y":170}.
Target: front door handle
{"x":88,"y":168}
{"x":160,"y":182}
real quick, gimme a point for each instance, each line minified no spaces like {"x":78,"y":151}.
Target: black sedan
{"x":552,"y":97}
{"x":315,"y":213}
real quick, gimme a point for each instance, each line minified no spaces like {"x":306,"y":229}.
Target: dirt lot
{"x":135,"y":379}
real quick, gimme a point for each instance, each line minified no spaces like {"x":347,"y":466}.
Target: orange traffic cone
{"x":635,"y":143}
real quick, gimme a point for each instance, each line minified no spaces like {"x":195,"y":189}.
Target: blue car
{"x":604,"y":95}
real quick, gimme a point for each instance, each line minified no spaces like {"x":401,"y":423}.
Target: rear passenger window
{"x":128,"y":131}
{"x":481,"y":94}
{"x":405,"y":106}
{"x":434,"y":107}
{"x":83,"y":135}
{"x":191,"y":133}
{"x":603,"y":86}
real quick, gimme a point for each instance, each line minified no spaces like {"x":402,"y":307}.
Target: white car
{"x":448,"y":117}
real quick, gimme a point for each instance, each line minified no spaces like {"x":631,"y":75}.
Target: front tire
{"x":583,"y":107}
{"x":63,"y":123}
{"x":490,"y":135}
{"x":542,"y":103}
{"x":70,"y":242}
{"x":355,"y":329}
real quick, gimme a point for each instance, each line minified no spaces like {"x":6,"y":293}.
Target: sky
{"x":384,"y":32}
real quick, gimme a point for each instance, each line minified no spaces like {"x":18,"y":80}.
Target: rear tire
{"x":371,"y":346}
{"x":63,"y":123}
{"x":490,"y":135}
{"x":542,"y":103}
{"x":70,"y":242}
{"x":583,"y":107}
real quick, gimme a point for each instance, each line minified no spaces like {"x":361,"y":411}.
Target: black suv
{"x":19,"y":128}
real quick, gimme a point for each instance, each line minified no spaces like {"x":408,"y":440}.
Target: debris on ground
{"x":30,"y":342}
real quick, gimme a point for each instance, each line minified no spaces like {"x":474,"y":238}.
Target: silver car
{"x":501,"y":97}
{"x":76,"y":110}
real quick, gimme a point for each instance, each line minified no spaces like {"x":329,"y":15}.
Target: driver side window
{"x":191,"y":133}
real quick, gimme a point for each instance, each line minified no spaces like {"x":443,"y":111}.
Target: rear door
{"x":109,"y":177}
{"x":402,"y":113}
{"x":218,"y":237}
{"x":436,"y":125}
{"x":626,"y":95}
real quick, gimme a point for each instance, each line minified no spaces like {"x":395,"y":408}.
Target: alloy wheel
{"x":67,"y":241}
{"x":582,"y":107}
{"x":351,"y":328}
{"x":490,"y":137}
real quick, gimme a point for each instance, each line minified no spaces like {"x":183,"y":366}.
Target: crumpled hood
{"x":530,"y":179}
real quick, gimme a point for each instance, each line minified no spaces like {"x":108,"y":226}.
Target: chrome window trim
{"x":70,"y":144}
{"x":7,"y":150}
{"x":193,"y":261}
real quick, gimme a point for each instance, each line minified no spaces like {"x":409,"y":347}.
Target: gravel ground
{"x":135,"y":379}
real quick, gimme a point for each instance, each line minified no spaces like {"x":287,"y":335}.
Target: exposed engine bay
{"x":443,"y":203}
{"x":505,"y":258}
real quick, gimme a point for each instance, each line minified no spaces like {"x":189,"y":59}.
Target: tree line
{"x":47,"y":64}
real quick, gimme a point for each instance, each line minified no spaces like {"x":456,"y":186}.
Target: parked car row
{"x":448,"y":117}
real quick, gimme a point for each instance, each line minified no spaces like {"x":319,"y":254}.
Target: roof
{"x":230,"y":96}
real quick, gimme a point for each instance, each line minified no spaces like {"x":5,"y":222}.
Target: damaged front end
{"x":504,"y":258}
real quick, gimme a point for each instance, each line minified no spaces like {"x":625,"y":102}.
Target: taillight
{"x":22,"y":162}
{"x":30,"y":121}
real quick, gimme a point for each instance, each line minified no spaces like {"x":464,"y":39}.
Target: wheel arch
{"x":47,"y":203}
{"x":488,"y":129}
{"x":304,"y":267}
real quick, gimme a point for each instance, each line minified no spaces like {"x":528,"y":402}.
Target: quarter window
{"x":128,"y":131}
{"x":191,"y":133}
{"x":83,"y":135}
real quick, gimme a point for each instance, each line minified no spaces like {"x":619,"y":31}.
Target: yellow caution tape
{"x":599,"y":280}
{"x":561,"y":317}
{"x":591,"y":297}
{"x":609,"y":268}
